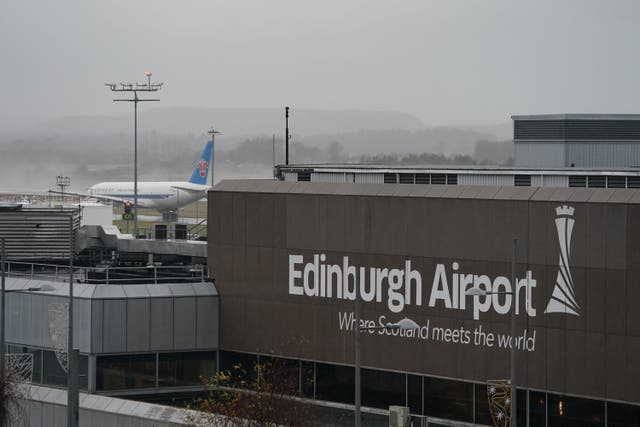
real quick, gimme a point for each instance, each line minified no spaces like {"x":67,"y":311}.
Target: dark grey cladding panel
{"x":114,"y":338}
{"x":138,"y":324}
{"x":161,"y":333}
{"x":207,"y":322}
{"x":97,"y":322}
{"x":184,"y":323}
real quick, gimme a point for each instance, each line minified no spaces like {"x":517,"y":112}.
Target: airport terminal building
{"x":285,"y":256}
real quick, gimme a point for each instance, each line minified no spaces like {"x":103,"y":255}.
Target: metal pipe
{"x":357,"y":412}
{"x":514,"y":304}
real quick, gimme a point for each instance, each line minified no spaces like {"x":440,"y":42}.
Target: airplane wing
{"x":89,"y":196}
{"x":199,"y":189}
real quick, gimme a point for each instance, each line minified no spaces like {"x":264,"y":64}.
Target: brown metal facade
{"x":257,"y":228}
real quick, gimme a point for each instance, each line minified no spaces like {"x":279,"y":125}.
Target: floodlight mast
{"x":129,"y":87}
{"x":213,"y":133}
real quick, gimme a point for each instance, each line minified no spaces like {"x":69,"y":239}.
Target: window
{"x":304,"y":176}
{"x":380,"y":389}
{"x":438,"y":178}
{"x":242,"y":366}
{"x":414,"y":393}
{"x":406,"y":178}
{"x":452,"y":179}
{"x":597,"y":181}
{"x":537,"y":408}
{"x":422,"y":178}
{"x":577,"y":181}
{"x":52,"y":372}
{"x":335,"y":383}
{"x":483,"y":411}
{"x":565,"y":411}
{"x":390,"y":178}
{"x":125,"y":372}
{"x":616,"y":182}
{"x":448,"y":399}
{"x":36,"y":376}
{"x":620,"y":415}
{"x":522,"y":180}
{"x":185,"y":369}
{"x":633,"y":182}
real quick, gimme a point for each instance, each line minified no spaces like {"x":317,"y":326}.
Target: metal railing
{"x":107,"y":275}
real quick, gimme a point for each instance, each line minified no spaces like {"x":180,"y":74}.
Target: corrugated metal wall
{"x":290,"y":176}
{"x":549,"y":181}
{"x":603,"y":154}
{"x":537,"y":154}
{"x":41,"y":234}
{"x":468,"y":179}
{"x":370,"y":178}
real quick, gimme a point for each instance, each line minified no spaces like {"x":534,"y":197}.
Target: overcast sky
{"x":446,"y":62}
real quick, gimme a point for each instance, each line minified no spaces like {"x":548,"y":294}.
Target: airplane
{"x":165,"y":196}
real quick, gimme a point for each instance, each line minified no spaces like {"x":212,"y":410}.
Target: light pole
{"x":129,"y":87}
{"x":514,"y":304}
{"x":403,"y":325}
{"x":62,"y":182}
{"x":213,"y":133}
{"x":73,"y":396}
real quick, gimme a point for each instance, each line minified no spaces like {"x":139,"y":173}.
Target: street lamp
{"x":403,"y":325}
{"x":476,"y":292}
{"x":135,"y":88}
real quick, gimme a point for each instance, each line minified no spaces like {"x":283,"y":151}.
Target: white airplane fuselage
{"x":162,"y":196}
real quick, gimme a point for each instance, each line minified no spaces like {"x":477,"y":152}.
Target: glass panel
{"x":567,"y":411}
{"x":438,"y":178}
{"x":241,"y":366}
{"x":537,"y":409}
{"x":620,"y":415}
{"x":52,"y":372}
{"x":125,"y":372}
{"x":307,"y":379}
{"x":414,"y":389}
{"x":83,"y":368}
{"x":381,"y":389}
{"x":448,"y":399}
{"x":282,"y":374}
{"x":185,"y":369}
{"x":483,"y":412}
{"x":335,"y":383}
{"x":37,"y":360}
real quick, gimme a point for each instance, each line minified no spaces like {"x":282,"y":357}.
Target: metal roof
{"x":573,"y":116}
{"x":112,"y":291}
{"x":594,"y":195}
{"x":457,"y":169}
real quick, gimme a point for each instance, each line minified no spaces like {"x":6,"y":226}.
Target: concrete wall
{"x":255,"y":228}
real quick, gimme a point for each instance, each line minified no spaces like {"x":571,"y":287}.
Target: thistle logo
{"x":203,"y":165}
{"x":563,"y":299}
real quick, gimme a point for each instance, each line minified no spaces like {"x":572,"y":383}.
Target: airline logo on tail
{"x":203,"y":165}
{"x":200,"y":172}
{"x":563,"y":299}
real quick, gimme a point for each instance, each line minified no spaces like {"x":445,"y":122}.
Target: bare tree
{"x":270,"y":397}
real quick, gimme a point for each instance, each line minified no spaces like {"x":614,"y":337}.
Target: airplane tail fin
{"x":201,"y":171}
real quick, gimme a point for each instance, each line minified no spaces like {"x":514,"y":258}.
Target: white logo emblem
{"x":563,"y":299}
